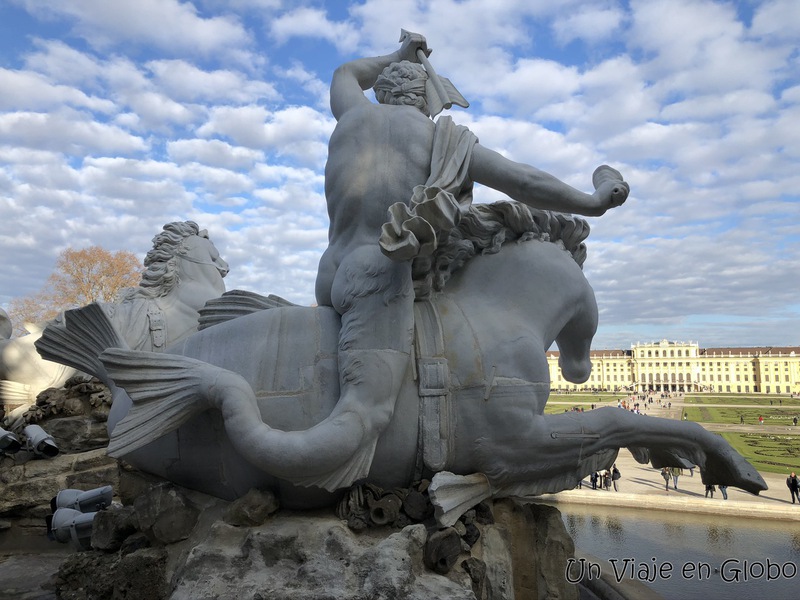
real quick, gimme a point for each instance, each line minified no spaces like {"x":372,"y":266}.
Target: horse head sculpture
{"x":183,"y":270}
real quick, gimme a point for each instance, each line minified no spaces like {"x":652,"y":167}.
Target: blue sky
{"x":119,"y":116}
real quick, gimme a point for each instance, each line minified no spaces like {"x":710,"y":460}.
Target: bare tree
{"x":81,"y":277}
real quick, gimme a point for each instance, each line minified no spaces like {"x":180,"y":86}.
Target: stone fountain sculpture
{"x":426,"y":355}
{"x":183,"y":270}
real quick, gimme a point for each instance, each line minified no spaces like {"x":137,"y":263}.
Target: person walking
{"x":676,"y":472}
{"x":615,"y":477}
{"x":794,"y":487}
{"x":665,"y":475}
{"x":710,"y":490}
{"x":593,"y":479}
{"x":724,"y":490}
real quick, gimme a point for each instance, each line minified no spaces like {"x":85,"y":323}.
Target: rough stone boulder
{"x":75,"y":415}
{"x":174,"y":543}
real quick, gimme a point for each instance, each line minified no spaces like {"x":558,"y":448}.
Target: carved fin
{"x":167,"y":390}
{"x":453,"y":495}
{"x":237,"y":303}
{"x":77,"y":343}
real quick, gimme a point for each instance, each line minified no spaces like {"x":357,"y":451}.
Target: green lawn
{"x":768,"y":453}
{"x":732,"y":415}
{"x":777,"y":401}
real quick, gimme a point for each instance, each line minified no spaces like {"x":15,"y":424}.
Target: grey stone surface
{"x":165,"y":514}
{"x":251,"y":509}
{"x":313,"y":555}
{"x":111,"y":527}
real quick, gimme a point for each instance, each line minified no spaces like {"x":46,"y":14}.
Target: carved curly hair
{"x":403,"y":83}
{"x":161,"y":271}
{"x":484,"y":228}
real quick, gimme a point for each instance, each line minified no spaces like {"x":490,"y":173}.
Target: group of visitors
{"x":710,"y":489}
{"x":605,"y":479}
{"x":610,"y":478}
{"x":674,"y":473}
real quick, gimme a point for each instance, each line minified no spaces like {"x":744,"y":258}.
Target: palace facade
{"x":685,"y":367}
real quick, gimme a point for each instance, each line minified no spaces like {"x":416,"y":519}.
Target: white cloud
{"x":534,"y":83}
{"x":64,"y":64}
{"x":777,"y":20}
{"x":185,"y":82}
{"x":314,"y":23}
{"x":588,"y":23}
{"x":299,"y":132}
{"x":315,"y":87}
{"x":169,"y":25}
{"x":26,"y":90}
{"x":66,"y":131}
{"x":214,"y":153}
{"x":712,"y":106}
{"x":700,"y":47}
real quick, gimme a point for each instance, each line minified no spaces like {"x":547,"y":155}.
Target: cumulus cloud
{"x":312,"y":22}
{"x":185,"y":82}
{"x":297,"y":131}
{"x":68,"y":132}
{"x":214,"y":153}
{"x":169,"y":25}
{"x":588,"y":23}
{"x":31,"y":91}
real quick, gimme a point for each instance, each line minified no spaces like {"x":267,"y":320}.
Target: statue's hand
{"x":410,"y":43}
{"x":610,"y":189}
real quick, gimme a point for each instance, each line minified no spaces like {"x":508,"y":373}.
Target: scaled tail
{"x":166,"y":390}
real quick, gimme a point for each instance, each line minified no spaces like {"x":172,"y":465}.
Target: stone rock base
{"x":213,"y":552}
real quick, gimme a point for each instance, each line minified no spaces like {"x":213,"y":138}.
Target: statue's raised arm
{"x":351,"y":79}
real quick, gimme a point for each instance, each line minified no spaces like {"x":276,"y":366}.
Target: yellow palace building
{"x":685,"y":367}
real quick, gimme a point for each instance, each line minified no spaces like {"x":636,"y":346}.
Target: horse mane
{"x":485,"y":228}
{"x":161,"y":271}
